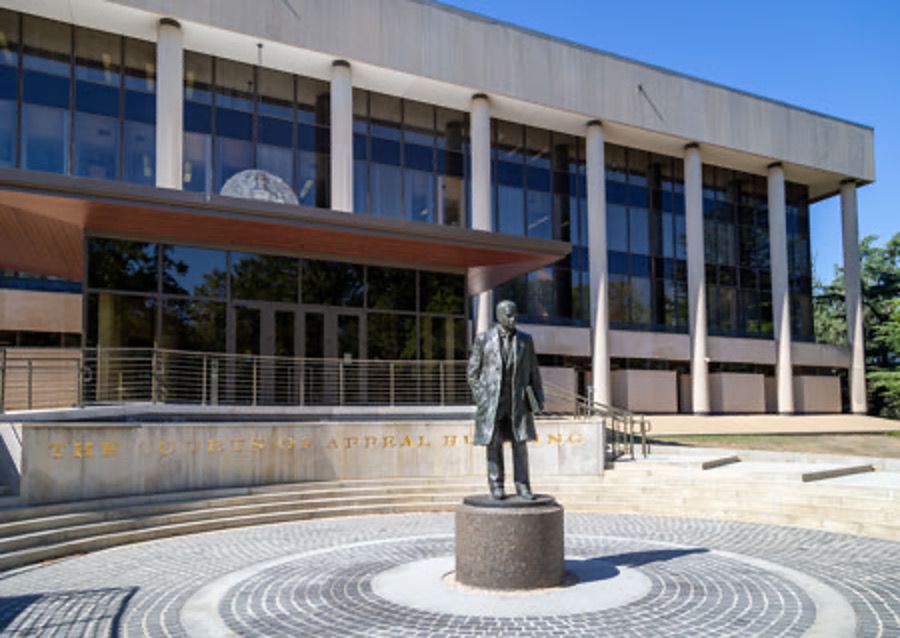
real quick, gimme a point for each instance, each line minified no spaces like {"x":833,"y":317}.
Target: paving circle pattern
{"x":380,"y":576}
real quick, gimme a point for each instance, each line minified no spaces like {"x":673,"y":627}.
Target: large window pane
{"x":116,"y":264}
{"x":121,"y":321}
{"x":332,"y":283}
{"x":193,"y":325}
{"x":194,"y":271}
{"x":197,"y":161}
{"x":442,"y":292}
{"x":96,"y":146}
{"x":264,"y":277}
{"x":386,"y":189}
{"x":391,"y":288}
{"x":391,"y":336}
{"x":9,"y":86}
{"x":419,"y":196}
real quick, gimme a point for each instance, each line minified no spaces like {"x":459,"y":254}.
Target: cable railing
{"x":34,"y":380}
{"x":622,"y":426}
{"x":103,"y":376}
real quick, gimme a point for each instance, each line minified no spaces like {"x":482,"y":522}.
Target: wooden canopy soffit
{"x":43,"y":219}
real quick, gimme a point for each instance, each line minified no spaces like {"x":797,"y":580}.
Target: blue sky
{"x":841,"y":58}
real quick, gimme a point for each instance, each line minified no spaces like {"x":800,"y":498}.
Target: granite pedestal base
{"x":510,"y":544}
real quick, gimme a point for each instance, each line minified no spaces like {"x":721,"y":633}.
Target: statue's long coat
{"x":485,"y":372}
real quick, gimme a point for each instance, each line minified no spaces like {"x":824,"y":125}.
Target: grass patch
{"x":895,"y":434}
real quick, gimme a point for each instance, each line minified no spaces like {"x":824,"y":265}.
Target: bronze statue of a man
{"x":506,"y":384}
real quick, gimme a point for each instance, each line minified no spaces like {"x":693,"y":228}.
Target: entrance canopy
{"x":44,"y":219}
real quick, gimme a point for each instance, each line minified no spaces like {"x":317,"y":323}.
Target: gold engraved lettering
{"x":237,"y":445}
{"x":57,"y":449}
{"x":450,"y":440}
{"x":257,"y":444}
{"x":423,"y":442}
{"x":110,"y":448}
{"x":351,"y":441}
{"x":554,"y":438}
{"x":389,"y":442}
{"x":371,"y":441}
{"x":83,"y":450}
{"x":166,"y":447}
{"x":407,"y":441}
{"x":467,"y":439}
{"x":287,"y":443}
{"x":576,"y":438}
{"x":215,"y":445}
{"x":332,"y":444}
{"x":305,"y":443}
{"x":193,"y":446}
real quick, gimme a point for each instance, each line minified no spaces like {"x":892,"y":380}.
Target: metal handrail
{"x":92,"y":376}
{"x":621,"y":424}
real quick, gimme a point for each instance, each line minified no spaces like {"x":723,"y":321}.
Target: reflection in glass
{"x":116,"y":264}
{"x":442,"y":292}
{"x":139,"y":142}
{"x":193,"y":325}
{"x":391,"y":336}
{"x":391,"y":289}
{"x":121,"y":321}
{"x":332,"y":283}
{"x":264,"y":277}
{"x":9,"y":90}
{"x":199,"y":272}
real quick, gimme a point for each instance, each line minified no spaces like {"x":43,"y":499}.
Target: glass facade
{"x":738,"y":271}
{"x":539,"y":190}
{"x":76,"y":101}
{"x":646,"y":241}
{"x":239,"y":117}
{"x":410,"y":160}
{"x":141,"y":294}
{"x":799,"y":262}
{"x":738,"y":274}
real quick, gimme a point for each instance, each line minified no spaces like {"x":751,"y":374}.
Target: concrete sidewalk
{"x":686,"y":424}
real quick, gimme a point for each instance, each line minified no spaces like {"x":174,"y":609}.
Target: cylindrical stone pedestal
{"x":510,"y":544}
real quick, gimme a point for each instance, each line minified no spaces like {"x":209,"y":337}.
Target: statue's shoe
{"x":497,"y":492}
{"x":524,"y":491}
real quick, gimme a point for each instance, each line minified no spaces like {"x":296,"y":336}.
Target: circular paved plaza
{"x":385,"y":576}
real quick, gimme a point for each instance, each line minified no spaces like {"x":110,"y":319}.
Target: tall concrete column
{"x":169,"y":104}
{"x":696,"y":258}
{"x":853,"y":297}
{"x":341,"y":137}
{"x":596,"y":227}
{"x":781,"y":302}
{"x":482,"y":214}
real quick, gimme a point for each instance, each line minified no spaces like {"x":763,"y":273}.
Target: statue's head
{"x":506,"y":314}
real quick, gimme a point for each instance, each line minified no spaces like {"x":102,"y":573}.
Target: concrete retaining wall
{"x":64,"y":462}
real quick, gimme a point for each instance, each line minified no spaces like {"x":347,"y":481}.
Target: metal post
{"x":203,"y":388}
{"x":153,"y":380}
{"x":30,"y":383}
{"x":303,"y":383}
{"x":340,"y":383}
{"x":391,"y":384}
{"x":79,"y":391}
{"x":255,"y":361}
{"x":3,"y":381}
{"x":441,"y":377}
{"x":214,"y":382}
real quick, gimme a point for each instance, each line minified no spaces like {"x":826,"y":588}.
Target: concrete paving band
{"x":382,"y":576}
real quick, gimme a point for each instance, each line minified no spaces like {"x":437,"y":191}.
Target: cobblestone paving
{"x":140,"y":589}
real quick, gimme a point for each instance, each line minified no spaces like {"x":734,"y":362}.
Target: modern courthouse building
{"x":357,"y":179}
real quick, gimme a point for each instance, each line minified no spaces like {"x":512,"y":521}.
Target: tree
{"x":880,"y":274}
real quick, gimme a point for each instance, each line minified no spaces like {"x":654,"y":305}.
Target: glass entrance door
{"x":265,"y":334}
{"x":334,"y":341}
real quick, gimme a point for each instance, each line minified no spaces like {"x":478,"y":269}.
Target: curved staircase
{"x":31,"y":534}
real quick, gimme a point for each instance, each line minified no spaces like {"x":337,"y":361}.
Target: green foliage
{"x":880,"y":274}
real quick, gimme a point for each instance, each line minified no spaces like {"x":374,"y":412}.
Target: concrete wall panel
{"x":734,"y":392}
